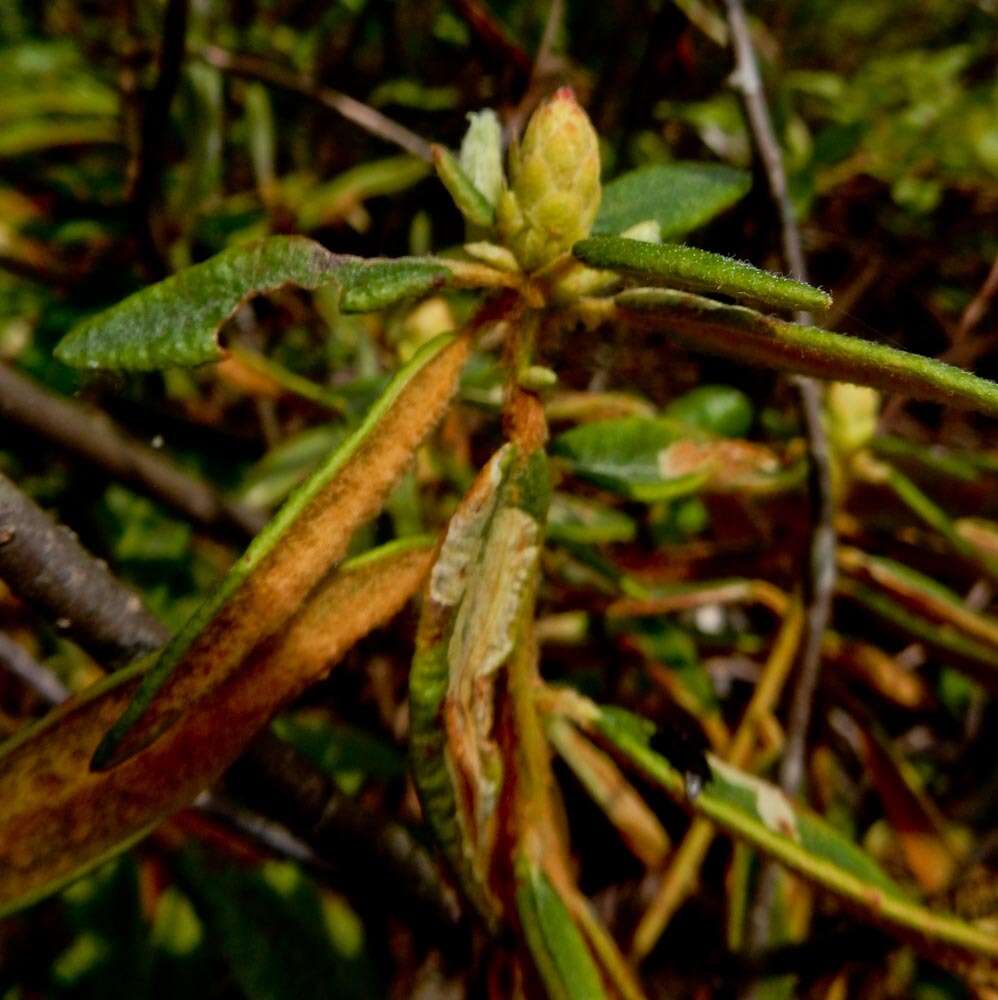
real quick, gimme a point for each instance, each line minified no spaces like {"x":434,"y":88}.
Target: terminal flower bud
{"x":554,"y":191}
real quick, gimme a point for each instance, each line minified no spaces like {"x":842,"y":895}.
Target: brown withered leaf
{"x":308,"y":536}
{"x":60,"y":818}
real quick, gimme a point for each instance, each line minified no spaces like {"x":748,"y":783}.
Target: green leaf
{"x":651,"y":459}
{"x":481,"y":153}
{"x":558,"y":948}
{"x":953,"y":647}
{"x":680,"y":197}
{"x":176,"y":321}
{"x":345,"y":753}
{"x":299,"y":545}
{"x":474,"y":206}
{"x":718,"y":409}
{"x":586,"y":522}
{"x":758,"y":813}
{"x":698,"y":270}
{"x":624,"y":455}
{"x":743,"y":334}
{"x":376,"y":283}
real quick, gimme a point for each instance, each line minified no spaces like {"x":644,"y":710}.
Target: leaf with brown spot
{"x":481,"y":587}
{"x":61,"y":819}
{"x":307,"y":536}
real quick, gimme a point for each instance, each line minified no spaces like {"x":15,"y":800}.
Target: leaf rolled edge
{"x":747,"y":335}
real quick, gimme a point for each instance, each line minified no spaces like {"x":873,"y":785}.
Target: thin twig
{"x":148,"y":169}
{"x":545,"y":70}
{"x":45,"y":564}
{"x":549,"y":39}
{"x":368,"y":118}
{"x":822,"y":571}
{"x":97,"y":438}
{"x":975,"y":311}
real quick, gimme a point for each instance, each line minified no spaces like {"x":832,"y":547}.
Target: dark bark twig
{"x":96,"y":437}
{"x":368,"y":118}
{"x":147,"y":171}
{"x":45,"y":564}
{"x":822,"y":570}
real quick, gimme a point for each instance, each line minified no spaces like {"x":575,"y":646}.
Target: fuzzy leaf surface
{"x":176,"y":321}
{"x":698,"y":270}
{"x":746,"y":335}
{"x":306,"y":537}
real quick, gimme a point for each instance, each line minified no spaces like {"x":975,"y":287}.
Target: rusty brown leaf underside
{"x":60,"y":818}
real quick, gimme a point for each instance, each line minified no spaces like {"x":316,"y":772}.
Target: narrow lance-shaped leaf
{"x":746,"y":335}
{"x":609,"y":789}
{"x":476,"y":596}
{"x":473,"y":204}
{"x":61,"y":819}
{"x":307,"y":536}
{"x":758,"y":813}
{"x":659,"y":459}
{"x":176,"y":321}
{"x":919,"y":593}
{"x":678,"y":196}
{"x":558,"y":948}
{"x":976,"y":658}
{"x":698,"y":270}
